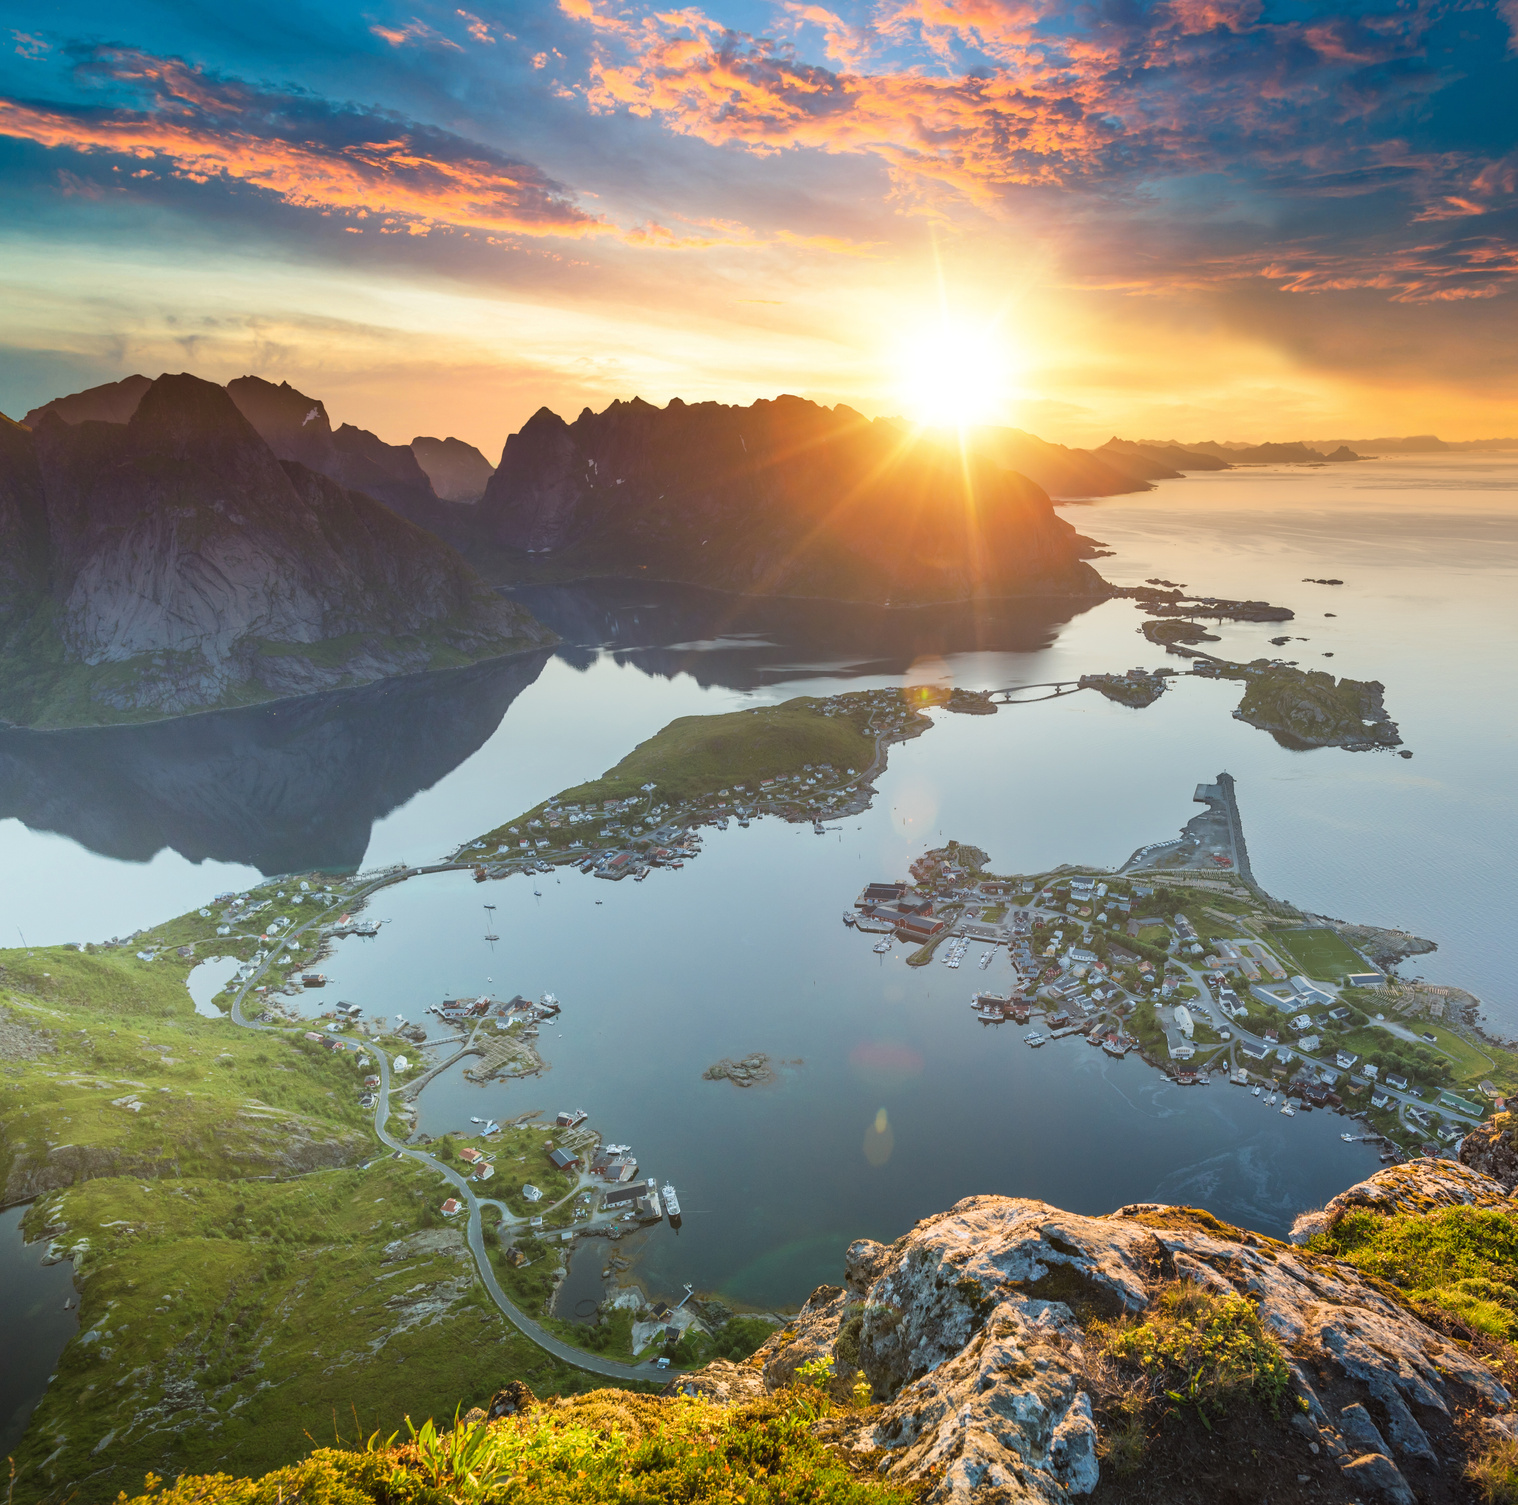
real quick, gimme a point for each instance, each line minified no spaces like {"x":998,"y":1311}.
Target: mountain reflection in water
{"x":748,"y":642}
{"x":285,"y":787}
{"x":299,"y":784}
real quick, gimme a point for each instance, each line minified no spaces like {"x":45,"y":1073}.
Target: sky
{"x":1165,"y":219}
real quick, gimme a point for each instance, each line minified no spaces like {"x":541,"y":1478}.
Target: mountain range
{"x":171,"y":546}
{"x":174,"y":562}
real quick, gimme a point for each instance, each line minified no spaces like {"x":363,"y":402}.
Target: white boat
{"x":1271,"y":1100}
{"x":882,"y":946}
{"x":1347,"y":1138}
{"x":1257,"y":1091}
{"x":985,"y":961}
{"x":1035,"y":1040}
{"x":1288,"y":1110}
{"x":671,"y":1204}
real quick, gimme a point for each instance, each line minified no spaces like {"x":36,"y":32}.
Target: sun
{"x":952,"y":375}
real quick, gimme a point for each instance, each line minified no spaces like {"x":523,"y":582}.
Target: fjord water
{"x":744,"y":950}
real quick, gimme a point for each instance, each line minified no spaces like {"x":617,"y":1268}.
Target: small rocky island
{"x":752,"y":1071}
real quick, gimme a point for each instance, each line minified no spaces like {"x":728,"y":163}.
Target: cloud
{"x":307,"y":152}
{"x":414,"y":33}
{"x":387,"y":175}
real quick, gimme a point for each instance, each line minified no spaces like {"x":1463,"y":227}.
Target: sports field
{"x":1318,"y":952}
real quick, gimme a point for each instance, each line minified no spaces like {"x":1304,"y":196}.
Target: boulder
{"x":975,"y":1334}
{"x":1492,"y":1150}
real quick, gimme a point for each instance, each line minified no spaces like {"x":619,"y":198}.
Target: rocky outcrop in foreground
{"x":980,"y":1333}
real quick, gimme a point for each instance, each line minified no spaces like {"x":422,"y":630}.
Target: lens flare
{"x":879,"y":1140}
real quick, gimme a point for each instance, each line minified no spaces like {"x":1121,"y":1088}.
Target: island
{"x":1179,"y":956}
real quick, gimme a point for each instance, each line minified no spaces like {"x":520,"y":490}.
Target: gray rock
{"x":1375,"y":1474}
{"x":971,"y":1331}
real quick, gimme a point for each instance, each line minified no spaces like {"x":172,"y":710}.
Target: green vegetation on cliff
{"x":239,"y":1273}
{"x":600,"y":1448}
{"x":1462,"y":1260}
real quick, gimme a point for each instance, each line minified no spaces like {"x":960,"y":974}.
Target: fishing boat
{"x":1035,"y":1039}
{"x":1288,"y":1110}
{"x":1271,"y":1100}
{"x":1114,"y":1047}
{"x":985,"y":961}
{"x":671,"y":1204}
{"x":1258,"y":1090}
{"x":882,"y":946}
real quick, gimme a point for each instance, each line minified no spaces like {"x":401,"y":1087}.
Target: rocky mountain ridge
{"x":174,"y":563}
{"x":781,"y":498}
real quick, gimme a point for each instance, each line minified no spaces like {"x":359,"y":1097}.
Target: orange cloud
{"x":397,"y":178}
{"x":415,"y":32}
{"x":971,"y":134}
{"x":387,"y":176}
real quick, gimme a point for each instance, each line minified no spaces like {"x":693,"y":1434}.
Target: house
{"x":1302,"y":1023}
{"x":1255,"y":1052}
{"x":1364,"y":979}
{"x":919,"y":927}
{"x":1399,"y":1082}
{"x":623,"y":1196}
{"x":1370,"y":1069}
{"x":564,"y":1159}
{"x":470,"y":1156}
{"x":1379,"y":1100}
{"x":1081,"y":955}
{"x":1183,"y":1021}
{"x":569,"y":1119}
{"x":1308,"y":1043}
{"x":880,"y":893}
{"x":531,"y":1193}
{"x":1338,"y":1014}
{"x":452,"y":1207}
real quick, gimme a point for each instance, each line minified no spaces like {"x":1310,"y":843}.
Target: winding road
{"x":474,"y":1234}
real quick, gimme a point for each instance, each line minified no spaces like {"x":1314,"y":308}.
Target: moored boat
{"x":671,"y":1204}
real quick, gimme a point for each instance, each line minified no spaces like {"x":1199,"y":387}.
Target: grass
{"x":607,"y":1446}
{"x":1316,"y":951}
{"x":1195,"y":1351}
{"x":222,"y":1323}
{"x":697,"y":755}
{"x":697,"y":761}
{"x":1463,"y":1260}
{"x":230,"y":1256}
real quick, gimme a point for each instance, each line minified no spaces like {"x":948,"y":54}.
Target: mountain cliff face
{"x":458,"y":471}
{"x":780,"y":498}
{"x":172,"y":563}
{"x":296,"y":427}
{"x":115,"y":402}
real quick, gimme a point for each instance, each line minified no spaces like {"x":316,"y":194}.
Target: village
{"x":1179,"y":958}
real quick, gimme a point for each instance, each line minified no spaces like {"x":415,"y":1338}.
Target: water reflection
{"x":283,"y":787}
{"x":748,"y":642}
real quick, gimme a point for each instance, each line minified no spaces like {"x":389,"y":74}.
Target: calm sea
{"x":744,"y":950}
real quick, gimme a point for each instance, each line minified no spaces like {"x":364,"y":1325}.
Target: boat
{"x":1114,"y":1047}
{"x":1347,"y":1138}
{"x":1257,"y":1090}
{"x":882,"y":946}
{"x":1270,"y":1101}
{"x":985,"y":961}
{"x":849,"y":917}
{"x":1035,"y":1039}
{"x":1288,"y":1110}
{"x":671,"y":1204}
